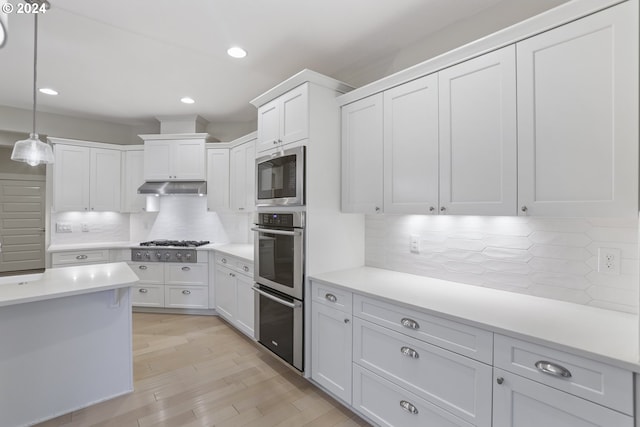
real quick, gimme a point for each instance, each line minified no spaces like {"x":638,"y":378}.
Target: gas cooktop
{"x":176,"y":243}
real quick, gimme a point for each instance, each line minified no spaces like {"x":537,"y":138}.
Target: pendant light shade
{"x":33,"y":151}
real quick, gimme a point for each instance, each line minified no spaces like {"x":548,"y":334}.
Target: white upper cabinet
{"x":410,"y":147}
{"x":133,"y":178}
{"x":478,"y":147}
{"x":284,"y":120}
{"x":362,"y":152}
{"x":242,"y":177}
{"x":578,"y":117}
{"x":175,"y":159}
{"x":217,"y":179}
{"x":86,"y":179}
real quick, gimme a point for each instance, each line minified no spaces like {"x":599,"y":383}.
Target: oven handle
{"x":276,"y":299}
{"x":273,"y":231}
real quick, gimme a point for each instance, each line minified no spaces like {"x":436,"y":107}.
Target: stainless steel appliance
{"x":280,"y":178}
{"x":279,"y":290}
{"x":167,"y":251}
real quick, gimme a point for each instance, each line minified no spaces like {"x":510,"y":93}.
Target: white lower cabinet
{"x":149,"y":291}
{"x":520,"y":402}
{"x":93,"y":256}
{"x":234,"y":297}
{"x":332,"y":344}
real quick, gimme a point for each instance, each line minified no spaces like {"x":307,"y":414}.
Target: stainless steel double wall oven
{"x":279,"y":254}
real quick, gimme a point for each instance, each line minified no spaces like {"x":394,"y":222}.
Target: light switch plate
{"x":63,"y":227}
{"x":414,"y":244}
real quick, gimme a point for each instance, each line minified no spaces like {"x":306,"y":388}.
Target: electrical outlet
{"x":609,"y":260}
{"x":414,"y":244}
{"x":63,"y":227}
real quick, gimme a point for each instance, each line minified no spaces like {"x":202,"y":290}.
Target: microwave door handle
{"x":281,"y":232}
{"x":276,"y":299}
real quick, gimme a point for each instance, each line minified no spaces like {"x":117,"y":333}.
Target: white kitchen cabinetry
{"x":331,"y":335}
{"x":149,"y":291}
{"x":362,"y":153}
{"x":133,"y":178}
{"x":217,"y":179}
{"x":411,"y":147}
{"x":242,"y":177}
{"x":578,"y":117}
{"x":478,"y":146}
{"x":234,"y":298}
{"x":284,"y":120}
{"x":68,"y":258}
{"x":174,"y":158}
{"x":86,"y":179}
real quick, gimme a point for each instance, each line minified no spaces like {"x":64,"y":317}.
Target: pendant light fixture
{"x":32,"y":150}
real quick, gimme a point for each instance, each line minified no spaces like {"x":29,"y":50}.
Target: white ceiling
{"x":128,"y":61}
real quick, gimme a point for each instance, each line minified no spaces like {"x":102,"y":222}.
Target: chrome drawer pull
{"x":554,"y":369}
{"x":331,"y":297}
{"x":82,"y":257}
{"x":245,"y":268}
{"x":408,"y":407}
{"x":143,"y":291}
{"x":142,"y":267}
{"x":224,"y":260}
{"x":186,"y":268}
{"x":186,"y":292}
{"x":409,"y":352}
{"x":409,"y":323}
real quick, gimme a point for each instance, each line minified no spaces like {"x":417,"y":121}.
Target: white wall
{"x":547,"y":257}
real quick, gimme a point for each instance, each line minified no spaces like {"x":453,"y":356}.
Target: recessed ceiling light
{"x":48,"y":91}
{"x":187,"y":100}
{"x":237,"y":52}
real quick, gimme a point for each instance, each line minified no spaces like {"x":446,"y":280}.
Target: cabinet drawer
{"x":462,"y":339}
{"x":332,"y":297}
{"x":519,"y":401}
{"x":149,"y":273}
{"x":224,"y":259}
{"x":147,"y":295}
{"x":80,"y":257}
{"x":456,"y":383}
{"x":186,"y":274}
{"x":389,"y":405}
{"x":186,"y":297}
{"x":243,"y":267}
{"x":595,"y":381}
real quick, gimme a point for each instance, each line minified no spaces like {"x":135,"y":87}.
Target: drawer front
{"x":186,"y":297}
{"x":186,"y":274}
{"x":148,"y":273}
{"x":595,"y":381}
{"x":333,"y":297}
{"x":462,"y":339}
{"x":389,"y":405}
{"x":147,"y":295}
{"x":243,"y":267}
{"x":80,"y":257}
{"x":456,"y":383}
{"x":226,"y":260}
{"x":522,"y":402}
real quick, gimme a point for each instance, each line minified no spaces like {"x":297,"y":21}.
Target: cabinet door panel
{"x":268,"y":125}
{"x":294,"y":115}
{"x":71,"y":178}
{"x":331,"y":350}
{"x":362,"y":151}
{"x":134,"y":178}
{"x":217,"y":179}
{"x":105,"y":180}
{"x":578,"y":117}
{"x":524,"y":403}
{"x":157,"y":160}
{"x":188,"y":159}
{"x":478,"y":153}
{"x":245,"y":304}
{"x":411,"y":147}
{"x":225,"y":289}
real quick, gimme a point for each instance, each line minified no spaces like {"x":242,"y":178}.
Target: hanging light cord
{"x":35,"y":68}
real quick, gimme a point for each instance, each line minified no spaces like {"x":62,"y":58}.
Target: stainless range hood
{"x":163,"y":188}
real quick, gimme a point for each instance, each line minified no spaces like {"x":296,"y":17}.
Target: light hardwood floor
{"x":197,"y":371}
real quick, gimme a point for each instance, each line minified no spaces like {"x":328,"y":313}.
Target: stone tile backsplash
{"x":546,"y":257}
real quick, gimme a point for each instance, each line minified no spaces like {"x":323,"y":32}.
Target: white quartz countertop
{"x":240,"y":250}
{"x":605,"y":335}
{"x":65,"y":281}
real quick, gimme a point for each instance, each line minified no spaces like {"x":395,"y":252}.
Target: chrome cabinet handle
{"x":442,"y":209}
{"x":224,"y":260}
{"x":245,"y":268}
{"x":377,"y":209}
{"x":346,"y":320}
{"x":409,"y":352}
{"x":331,"y":297}
{"x":186,"y":268}
{"x":499,"y":380}
{"x":409,"y":323}
{"x":408,"y":407}
{"x":186,"y":292}
{"x":553,"y":369}
{"x":524,"y":209}
{"x":143,"y":290}
{"x":232,"y":274}
{"x":82,"y":257}
{"x":142,"y":267}
{"x":431,"y":209}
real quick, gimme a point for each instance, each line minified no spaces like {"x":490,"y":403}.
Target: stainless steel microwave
{"x":280,"y":178}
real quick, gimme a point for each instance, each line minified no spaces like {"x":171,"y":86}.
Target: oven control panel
{"x":280,"y":219}
{"x":164,"y":255}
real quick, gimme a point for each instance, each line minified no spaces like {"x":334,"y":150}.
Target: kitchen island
{"x":65,"y":340}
